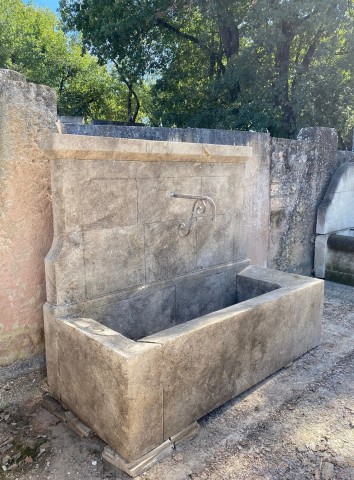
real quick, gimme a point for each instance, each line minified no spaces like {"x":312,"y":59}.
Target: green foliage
{"x":32,"y":42}
{"x":262,"y":64}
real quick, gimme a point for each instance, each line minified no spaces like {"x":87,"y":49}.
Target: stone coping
{"x":77,"y":147}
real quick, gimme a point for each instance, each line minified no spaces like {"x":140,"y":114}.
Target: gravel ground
{"x":297,"y":424}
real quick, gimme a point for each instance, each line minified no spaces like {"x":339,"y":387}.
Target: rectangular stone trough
{"x":147,"y":330}
{"x":139,"y":394}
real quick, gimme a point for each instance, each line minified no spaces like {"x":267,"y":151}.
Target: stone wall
{"x":27,"y":111}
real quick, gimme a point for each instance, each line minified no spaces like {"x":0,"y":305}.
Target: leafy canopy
{"x":33,"y":43}
{"x":272,"y":65}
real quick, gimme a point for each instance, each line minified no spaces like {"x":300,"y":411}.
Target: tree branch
{"x":137,"y":105}
{"x":306,"y":61}
{"x":177,"y":31}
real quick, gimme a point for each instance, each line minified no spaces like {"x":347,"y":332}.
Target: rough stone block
{"x":27,"y":113}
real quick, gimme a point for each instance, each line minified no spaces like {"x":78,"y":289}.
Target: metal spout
{"x":199,"y":208}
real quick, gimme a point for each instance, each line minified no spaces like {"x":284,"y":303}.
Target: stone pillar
{"x":27,"y":112}
{"x":300,"y":173}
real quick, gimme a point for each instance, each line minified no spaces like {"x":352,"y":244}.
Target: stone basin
{"x":136,"y":395}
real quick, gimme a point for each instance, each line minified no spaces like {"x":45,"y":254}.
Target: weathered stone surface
{"x":333,"y":259}
{"x":64,"y":267}
{"x":124,"y":408}
{"x":223,"y":191}
{"x":77,"y":426}
{"x":113,"y":259}
{"x":320,"y":255}
{"x":113,"y":459}
{"x":336,"y":211}
{"x":90,"y":148}
{"x":186,"y":434}
{"x":167,"y":253}
{"x":27,"y":112}
{"x":339,"y":257}
{"x":248,"y":288}
{"x":105,"y":210}
{"x":140,"y":315}
{"x":155,"y":203}
{"x":215,"y":240}
{"x":211,"y":293}
{"x":137,"y":313}
{"x":300,"y":173}
{"x":11,"y":75}
{"x":116,"y":208}
{"x":250,"y":341}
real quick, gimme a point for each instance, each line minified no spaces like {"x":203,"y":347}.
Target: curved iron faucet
{"x":199,"y":208}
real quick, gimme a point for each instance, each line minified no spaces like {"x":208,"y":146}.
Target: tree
{"x":33,"y":43}
{"x":267,"y":64}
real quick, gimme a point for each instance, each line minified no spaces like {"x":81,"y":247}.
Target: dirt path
{"x":297,"y":424}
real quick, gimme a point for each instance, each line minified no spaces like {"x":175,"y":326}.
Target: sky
{"x":52,"y":4}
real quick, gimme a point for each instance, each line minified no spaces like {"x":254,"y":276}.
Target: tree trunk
{"x":129,"y":103}
{"x":281,"y":84}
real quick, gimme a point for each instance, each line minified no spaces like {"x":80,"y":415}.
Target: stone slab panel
{"x":247,"y":287}
{"x":109,"y":203}
{"x":215,"y":240}
{"x":139,"y":315}
{"x":168,"y":170}
{"x":167,"y":254}
{"x":222,"y":190}
{"x":124,"y":408}
{"x":93,"y":194}
{"x":59,"y":146}
{"x":198,"y":297}
{"x":320,"y":255}
{"x":114,"y":259}
{"x":155,"y":203}
{"x":64,"y":267}
{"x":138,"y":467}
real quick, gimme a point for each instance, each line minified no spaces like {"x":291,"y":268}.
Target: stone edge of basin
{"x":77,"y":147}
{"x":72,"y":342}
